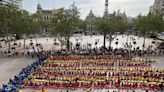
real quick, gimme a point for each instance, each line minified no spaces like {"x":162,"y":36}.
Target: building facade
{"x":16,"y":3}
{"x":90,"y":19}
{"x":45,"y":16}
{"x":158,"y":6}
{"x":122,"y":15}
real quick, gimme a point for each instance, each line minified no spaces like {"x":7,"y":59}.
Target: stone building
{"x":45,"y":14}
{"x":16,"y":3}
{"x":158,"y":6}
{"x":90,"y":19}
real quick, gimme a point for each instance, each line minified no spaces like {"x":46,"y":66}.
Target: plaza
{"x":9,"y":71}
{"x":12,"y":71}
{"x":48,"y":42}
{"x":58,"y":46}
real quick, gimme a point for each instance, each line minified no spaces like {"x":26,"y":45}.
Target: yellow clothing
{"x":20,"y":90}
{"x":44,"y":90}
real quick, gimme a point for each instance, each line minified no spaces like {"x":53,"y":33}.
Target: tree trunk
{"x":8,"y":39}
{"x":9,"y":46}
{"x":144,"y":41}
{"x":127,"y":38}
{"x":68,"y":45}
{"x":24,"y":45}
{"x":110,"y":40}
{"x":36,"y":40}
{"x":104,"y":41}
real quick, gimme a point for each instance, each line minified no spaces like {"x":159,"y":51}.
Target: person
{"x":90,"y":90}
{"x":43,"y":90}
{"x":19,"y":44}
{"x":20,"y":90}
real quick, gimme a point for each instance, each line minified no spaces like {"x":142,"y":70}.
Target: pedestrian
{"x":20,"y":90}
{"x":43,"y":90}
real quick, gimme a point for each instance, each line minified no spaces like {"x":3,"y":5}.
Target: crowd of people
{"x":98,"y":68}
{"x":97,"y":71}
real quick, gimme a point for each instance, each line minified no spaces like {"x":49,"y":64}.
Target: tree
{"x":109,"y":26}
{"x":118,"y":24}
{"x":82,"y":24}
{"x":103,"y":26}
{"x":157,"y":22}
{"x":42,"y":23}
{"x":16,"y":22}
{"x":56,"y":26}
{"x":149,"y":23}
{"x":29,"y":25}
{"x":143,"y":25}
{"x":8,"y":16}
{"x":2,"y":16}
{"x":65,"y":22}
{"x":24,"y":25}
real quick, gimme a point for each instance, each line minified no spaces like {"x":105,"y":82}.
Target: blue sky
{"x":131,"y":7}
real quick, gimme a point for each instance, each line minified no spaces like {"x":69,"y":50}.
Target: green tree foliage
{"x":82,"y":24}
{"x":109,"y":26}
{"x":14,"y":21}
{"x":41,"y":22}
{"x":149,"y":23}
{"x":8,"y":15}
{"x":157,"y":22}
{"x":103,"y":26}
{"x":65,"y":22}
